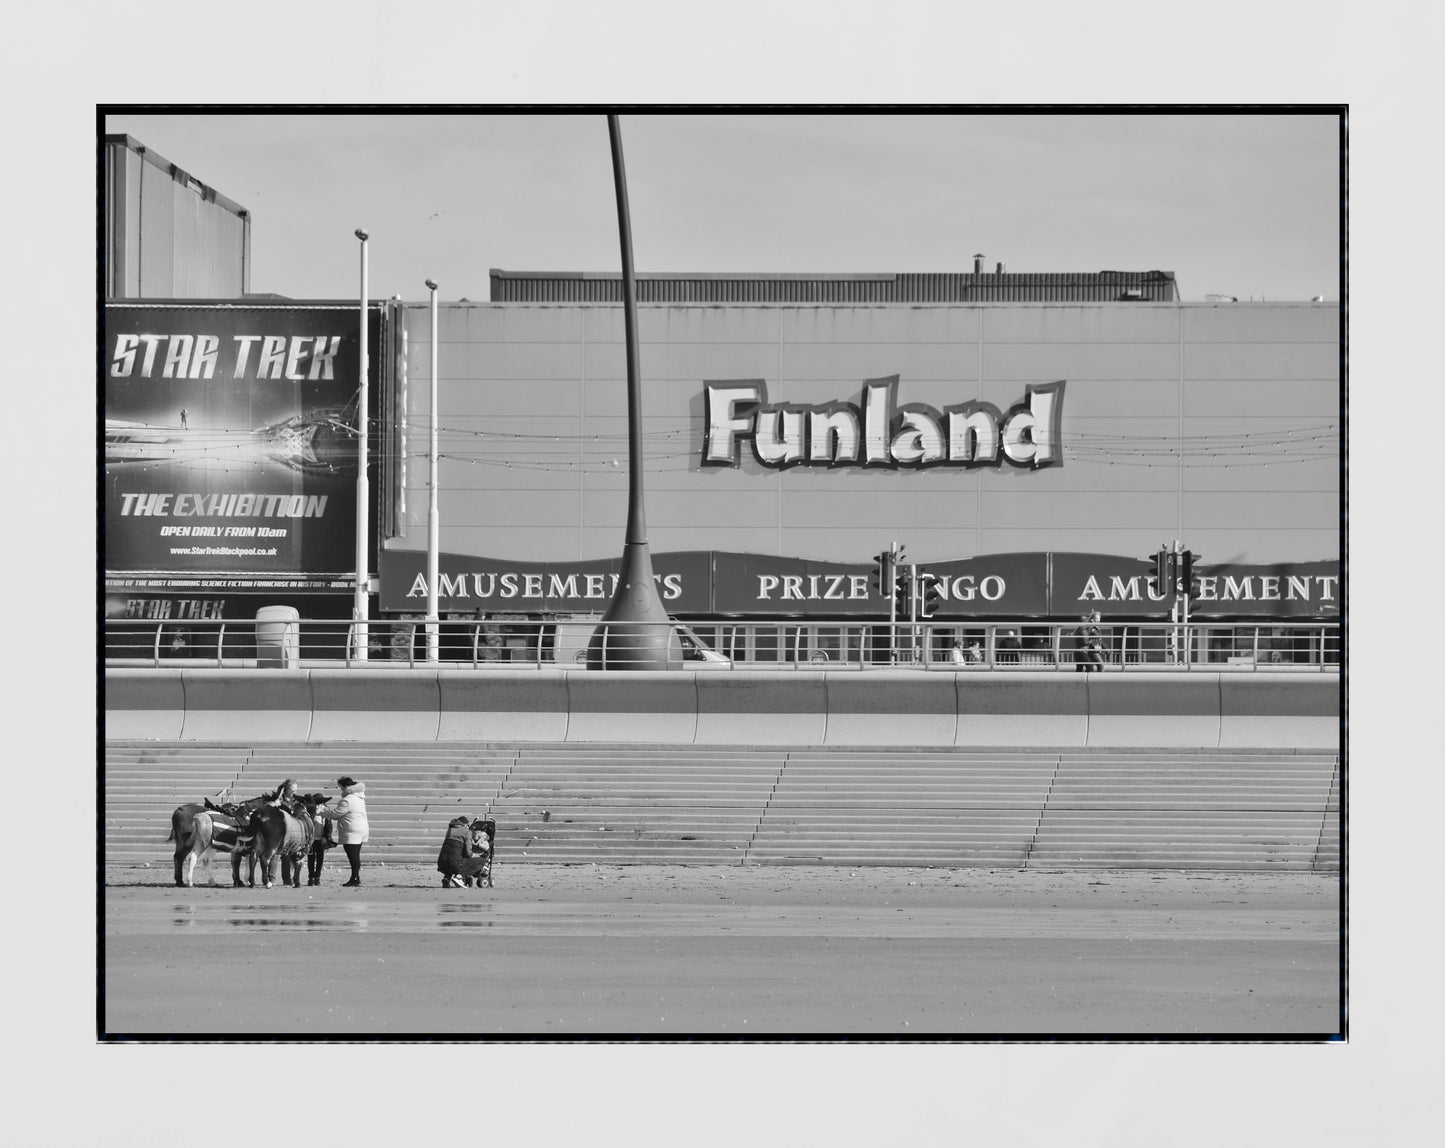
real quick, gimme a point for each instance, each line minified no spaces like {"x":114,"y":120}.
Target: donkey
{"x":286,"y":832}
{"x":183,"y":833}
{"x":219,"y":829}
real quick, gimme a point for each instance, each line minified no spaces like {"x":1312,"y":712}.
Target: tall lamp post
{"x":636,"y":632}
{"x":361,"y":608}
{"x":433,"y":519}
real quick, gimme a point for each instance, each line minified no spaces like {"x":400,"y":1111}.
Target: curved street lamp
{"x":636,"y":632}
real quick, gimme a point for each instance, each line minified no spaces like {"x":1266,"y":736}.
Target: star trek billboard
{"x":230,"y":450}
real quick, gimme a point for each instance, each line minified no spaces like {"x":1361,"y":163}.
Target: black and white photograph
{"x":781,"y":572}
{"x":750,"y":570}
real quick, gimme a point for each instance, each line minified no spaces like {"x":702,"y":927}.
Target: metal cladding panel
{"x":122,"y":220}
{"x":1094,"y":325}
{"x":470,"y":406}
{"x":680,"y":508}
{"x":1303,"y":510}
{"x":1037,"y":362}
{"x":1282,"y":398}
{"x":848,"y":364}
{"x":684,"y":325}
{"x":1038,"y":509}
{"x":1150,"y":405}
{"x":1263,"y":323}
{"x":887,"y":325}
{"x":823,"y":508}
{"x":155,"y":257}
{"x":1256,"y":360}
{"x":684,"y":362}
{"x":207,"y":247}
{"x":508,"y":362}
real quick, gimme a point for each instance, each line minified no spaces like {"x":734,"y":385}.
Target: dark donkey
{"x":286,"y":832}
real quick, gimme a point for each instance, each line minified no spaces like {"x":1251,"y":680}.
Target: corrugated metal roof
{"x":908,"y":287}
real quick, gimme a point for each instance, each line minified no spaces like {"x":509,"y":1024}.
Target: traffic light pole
{"x":1184,"y":582}
{"x":1174,"y":567}
{"x":1183,"y":572}
{"x":913,"y":608}
{"x":893,"y":603}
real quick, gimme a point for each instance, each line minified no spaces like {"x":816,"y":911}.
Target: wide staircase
{"x":695,"y":805}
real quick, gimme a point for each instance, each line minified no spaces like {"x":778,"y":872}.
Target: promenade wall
{"x":739,"y":708}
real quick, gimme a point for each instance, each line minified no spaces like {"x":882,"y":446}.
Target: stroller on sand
{"x":484,"y":837}
{"x":466,"y":854}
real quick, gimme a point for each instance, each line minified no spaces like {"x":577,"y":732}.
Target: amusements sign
{"x":709,"y":582}
{"x":468,"y":585}
{"x":1026,"y":585}
{"x":1120,"y":587}
{"x":230,"y":444}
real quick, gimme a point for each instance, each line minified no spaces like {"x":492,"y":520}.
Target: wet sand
{"x":718,"y":952}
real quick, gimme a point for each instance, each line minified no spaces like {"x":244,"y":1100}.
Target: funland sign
{"x":878,"y":432}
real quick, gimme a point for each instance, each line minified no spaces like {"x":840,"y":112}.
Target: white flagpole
{"x":361,"y":608}
{"x":433,"y":518}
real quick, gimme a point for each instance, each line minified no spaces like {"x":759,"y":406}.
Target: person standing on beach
{"x":352,"y":829}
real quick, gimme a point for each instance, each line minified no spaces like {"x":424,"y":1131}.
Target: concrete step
{"x":679,"y":805}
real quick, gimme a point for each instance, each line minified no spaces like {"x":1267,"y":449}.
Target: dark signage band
{"x":1035,"y":584}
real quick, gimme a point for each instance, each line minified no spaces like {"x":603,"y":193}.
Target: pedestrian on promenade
{"x":1089,"y":642}
{"x":351,"y":825}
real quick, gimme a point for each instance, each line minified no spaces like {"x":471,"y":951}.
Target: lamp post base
{"x":636,"y":632}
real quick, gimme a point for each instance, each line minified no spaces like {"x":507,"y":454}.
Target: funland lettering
{"x":877,"y":432}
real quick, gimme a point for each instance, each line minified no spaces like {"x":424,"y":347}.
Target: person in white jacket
{"x":349,"y":814}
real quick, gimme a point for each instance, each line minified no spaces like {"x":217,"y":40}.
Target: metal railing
{"x":977,"y":646}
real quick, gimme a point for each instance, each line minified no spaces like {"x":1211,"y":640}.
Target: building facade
{"x":1047,"y":448}
{"x":1028,"y":456}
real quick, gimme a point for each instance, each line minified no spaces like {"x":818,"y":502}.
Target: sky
{"x":1236,"y":204}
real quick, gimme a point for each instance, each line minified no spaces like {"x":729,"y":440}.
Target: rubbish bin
{"x":278,"y":637}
